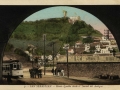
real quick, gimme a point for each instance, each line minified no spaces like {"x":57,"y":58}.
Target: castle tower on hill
{"x":74,"y":19}
{"x":65,"y":13}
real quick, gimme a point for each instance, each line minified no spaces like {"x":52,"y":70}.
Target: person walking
{"x":58,"y":72}
{"x":55,"y":71}
{"x":62,"y":71}
{"x":30,"y":71}
{"x":39,"y":73}
{"x":52,"y":71}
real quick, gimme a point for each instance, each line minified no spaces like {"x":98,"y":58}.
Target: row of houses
{"x":100,"y":46}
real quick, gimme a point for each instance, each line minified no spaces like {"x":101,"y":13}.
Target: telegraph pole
{"x":53,"y":57}
{"x":66,"y":47}
{"x":44,"y":38}
{"x":74,"y":52}
{"x":67,"y":64}
{"x":32,"y":58}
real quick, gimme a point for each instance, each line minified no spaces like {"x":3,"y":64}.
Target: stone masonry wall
{"x":79,"y":58}
{"x":90,"y":69}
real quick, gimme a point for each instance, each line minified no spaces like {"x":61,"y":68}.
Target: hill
{"x":54,"y":28}
{"x":58,"y":30}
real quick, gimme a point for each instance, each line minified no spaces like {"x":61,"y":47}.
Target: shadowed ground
{"x":55,"y":80}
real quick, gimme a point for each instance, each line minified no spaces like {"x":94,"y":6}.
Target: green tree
{"x":87,"y":40}
{"x":73,"y":34}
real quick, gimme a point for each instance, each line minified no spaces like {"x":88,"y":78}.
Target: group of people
{"x":58,"y":72}
{"x":35,"y":73}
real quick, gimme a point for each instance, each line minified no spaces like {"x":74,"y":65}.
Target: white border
{"x":59,"y":2}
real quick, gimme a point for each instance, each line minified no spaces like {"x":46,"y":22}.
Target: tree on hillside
{"x":55,"y":27}
{"x":88,"y":30}
{"x":87,"y":40}
{"x":73,"y":34}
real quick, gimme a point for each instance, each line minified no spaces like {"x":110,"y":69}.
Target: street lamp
{"x":66,"y":47}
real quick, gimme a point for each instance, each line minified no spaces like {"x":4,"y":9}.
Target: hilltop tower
{"x":65,"y":13}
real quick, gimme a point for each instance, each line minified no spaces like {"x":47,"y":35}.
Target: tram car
{"x":13,"y":68}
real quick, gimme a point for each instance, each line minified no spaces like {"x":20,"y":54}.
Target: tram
{"x":13,"y":68}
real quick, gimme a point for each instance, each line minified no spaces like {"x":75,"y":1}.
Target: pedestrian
{"x":62,"y":71}
{"x":52,"y":70}
{"x":55,"y":71}
{"x":9,"y":78}
{"x":33,"y":73}
{"x":39,"y":73}
{"x":30,"y":71}
{"x":59,"y":72}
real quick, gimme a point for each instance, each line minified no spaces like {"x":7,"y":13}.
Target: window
{"x":3,"y":67}
{"x":18,"y":66}
{"x":8,"y":68}
{"x":14,"y":66}
{"x":11,"y":66}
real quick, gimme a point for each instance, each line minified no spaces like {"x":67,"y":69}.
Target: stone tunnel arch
{"x":12,"y":16}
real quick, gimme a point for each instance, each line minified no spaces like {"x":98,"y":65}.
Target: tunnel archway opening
{"x":37,"y":21}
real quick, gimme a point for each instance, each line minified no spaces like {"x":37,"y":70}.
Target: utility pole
{"x":74,"y":52}
{"x":32,"y":58}
{"x":67,"y":64}
{"x":44,"y":38}
{"x":53,"y":57}
{"x":66,"y":47}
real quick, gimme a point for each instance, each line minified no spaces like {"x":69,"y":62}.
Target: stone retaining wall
{"x":79,"y":58}
{"x":90,"y":69}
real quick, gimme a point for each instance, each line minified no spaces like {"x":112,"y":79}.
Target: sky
{"x":57,"y":11}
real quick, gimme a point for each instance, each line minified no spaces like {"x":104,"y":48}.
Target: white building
{"x":74,"y":19}
{"x":50,"y":57}
{"x":106,"y":43}
{"x":105,"y":40}
{"x":103,"y":50}
{"x":70,"y":51}
{"x":77,"y":45}
{"x":97,"y":48}
{"x":87,"y":48}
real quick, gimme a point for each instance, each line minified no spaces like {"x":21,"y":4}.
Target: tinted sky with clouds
{"x":57,"y":11}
